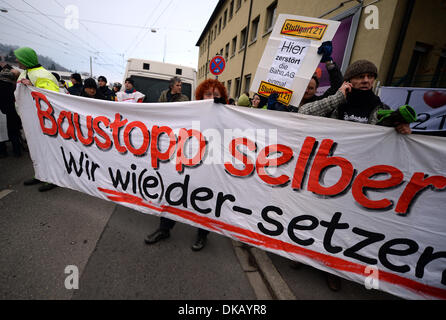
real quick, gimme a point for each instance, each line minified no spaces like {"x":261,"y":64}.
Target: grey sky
{"x":109,"y":31}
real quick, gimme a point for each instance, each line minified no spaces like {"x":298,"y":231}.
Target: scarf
{"x":359,"y":106}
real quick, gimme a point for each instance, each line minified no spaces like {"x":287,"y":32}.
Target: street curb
{"x":279,"y":287}
{"x":265,"y":280}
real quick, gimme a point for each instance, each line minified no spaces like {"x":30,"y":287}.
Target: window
{"x":227,"y":51}
{"x":225,"y":17}
{"x":221,"y":52}
{"x":243,"y":39}
{"x":237,"y":87}
{"x":418,"y":60}
{"x":146,"y":66}
{"x":270,"y":15}
{"x":179,"y":71}
{"x":239,"y":4}
{"x":229,"y":87}
{"x":247,"y":82}
{"x":254,"y":29}
{"x":439,"y":78}
{"x":219,"y":26}
{"x":234,"y":45}
{"x":231,"y":9}
{"x":215,"y":32}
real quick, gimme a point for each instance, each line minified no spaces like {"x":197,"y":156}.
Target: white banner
{"x":429,"y":104}
{"x":356,"y":200}
{"x":290,"y":57}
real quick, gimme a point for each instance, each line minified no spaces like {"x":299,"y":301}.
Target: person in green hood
{"x":243,"y":101}
{"x":35,"y":75}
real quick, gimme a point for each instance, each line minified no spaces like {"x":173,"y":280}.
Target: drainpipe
{"x":399,"y":43}
{"x":246,"y":47}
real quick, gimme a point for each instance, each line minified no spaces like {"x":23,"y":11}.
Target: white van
{"x":152,"y":77}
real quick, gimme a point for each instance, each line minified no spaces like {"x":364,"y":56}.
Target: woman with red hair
{"x":210,"y":89}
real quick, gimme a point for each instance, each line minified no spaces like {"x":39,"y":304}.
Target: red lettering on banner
{"x":248,"y":164}
{"x":182,"y":160}
{"x":107,"y":143}
{"x":69,"y":134}
{"x":302,"y":162}
{"x":263,"y":161}
{"x":145,"y":134}
{"x":45,"y":114}
{"x":155,"y":153}
{"x":363,"y":181}
{"x":85,"y":141}
{"x":321,"y":162}
{"x":416,"y":185}
{"x":116,"y":126}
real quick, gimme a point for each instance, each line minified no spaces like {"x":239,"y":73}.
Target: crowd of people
{"x":349,"y":98}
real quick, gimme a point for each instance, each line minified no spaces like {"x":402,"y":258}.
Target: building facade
{"x":404,"y":38}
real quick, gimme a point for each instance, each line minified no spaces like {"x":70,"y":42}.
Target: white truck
{"x":152,"y":77}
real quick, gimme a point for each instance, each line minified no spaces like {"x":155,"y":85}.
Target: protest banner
{"x":429,"y":104}
{"x":290,"y":57}
{"x":340,"y":196}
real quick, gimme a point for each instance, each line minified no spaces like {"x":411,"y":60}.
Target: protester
{"x":8,"y":80}
{"x":243,"y":101}
{"x":34,"y":74}
{"x":211,"y":89}
{"x":116,"y":88}
{"x":355,"y":100}
{"x":334,"y":73}
{"x":256,"y":101}
{"x":90,"y":90}
{"x":106,"y":92}
{"x":60,"y":82}
{"x":130,"y":94}
{"x":173,"y":94}
{"x":76,"y":88}
{"x":208,"y":89}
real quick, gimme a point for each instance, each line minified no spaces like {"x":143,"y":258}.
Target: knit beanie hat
{"x":90,"y":83}
{"x":360,"y":67}
{"x":26,"y":56}
{"x":243,"y":101}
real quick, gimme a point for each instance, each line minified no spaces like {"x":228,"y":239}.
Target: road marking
{"x":5,"y":192}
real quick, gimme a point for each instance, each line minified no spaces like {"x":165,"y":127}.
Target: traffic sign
{"x":217,"y":65}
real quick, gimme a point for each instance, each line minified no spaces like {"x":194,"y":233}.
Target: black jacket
{"x":98,"y":95}
{"x":7,"y":99}
{"x":75,"y":89}
{"x":107,"y":93}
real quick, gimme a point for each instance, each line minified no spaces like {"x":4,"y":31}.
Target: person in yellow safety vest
{"x":35,"y":75}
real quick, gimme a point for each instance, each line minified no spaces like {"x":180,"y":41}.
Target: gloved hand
{"x":272,"y":100}
{"x":325,"y":50}
{"x":220,"y":100}
{"x":273,"y":104}
{"x":392,"y":118}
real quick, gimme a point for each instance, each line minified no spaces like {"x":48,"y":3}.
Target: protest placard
{"x":290,"y":57}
